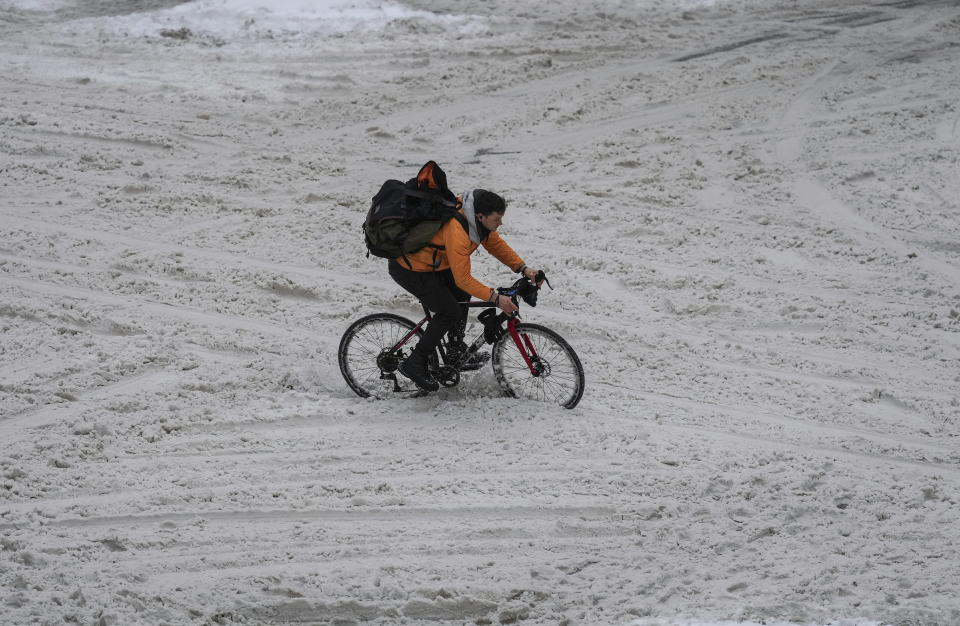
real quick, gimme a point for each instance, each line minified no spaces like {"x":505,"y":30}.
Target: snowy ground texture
{"x":749,"y":211}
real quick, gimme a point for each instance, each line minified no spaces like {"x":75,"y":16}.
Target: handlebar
{"x":525,"y":289}
{"x":521,"y":288}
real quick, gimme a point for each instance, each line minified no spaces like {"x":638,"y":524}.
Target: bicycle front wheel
{"x":560,"y":374}
{"x":367,"y":359}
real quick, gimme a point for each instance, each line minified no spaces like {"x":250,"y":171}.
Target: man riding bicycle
{"x":439,"y":276}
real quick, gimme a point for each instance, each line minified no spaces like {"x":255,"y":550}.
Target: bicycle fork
{"x":525,"y":346}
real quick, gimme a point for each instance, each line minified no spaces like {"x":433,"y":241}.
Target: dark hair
{"x":486,"y":202}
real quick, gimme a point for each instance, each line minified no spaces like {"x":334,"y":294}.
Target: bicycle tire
{"x":361,"y":346}
{"x":563,"y":381}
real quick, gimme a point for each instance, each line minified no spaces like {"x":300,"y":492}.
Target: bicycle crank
{"x":447,"y":376}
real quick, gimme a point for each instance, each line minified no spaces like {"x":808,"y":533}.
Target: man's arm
{"x":458,"y":249}
{"x":505,"y":254}
{"x":501,"y":250}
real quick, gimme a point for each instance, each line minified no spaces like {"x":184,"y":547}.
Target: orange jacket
{"x":457,"y":248}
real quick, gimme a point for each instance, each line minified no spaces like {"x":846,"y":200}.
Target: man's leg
{"x":457,"y":354}
{"x":433,"y":292}
{"x":459,"y":329}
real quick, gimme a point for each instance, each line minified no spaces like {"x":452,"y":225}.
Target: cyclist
{"x":439,"y":276}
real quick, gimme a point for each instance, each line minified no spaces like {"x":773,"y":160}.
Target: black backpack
{"x":404,"y":217}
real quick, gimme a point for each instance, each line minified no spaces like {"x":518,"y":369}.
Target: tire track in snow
{"x":197,"y":556}
{"x":818,"y":200}
{"x":789,"y":123}
{"x":88,"y":139}
{"x":731,"y":46}
{"x":226,"y":258}
{"x":13,"y":426}
{"x":878,"y":459}
{"x":840,"y":431}
{"x":801,"y":428}
{"x":60,"y":268}
{"x":595,"y":131}
{"x":501,"y":104}
{"x":266,"y":463}
{"x":285,"y":334}
{"x":612,"y":327}
{"x":162,"y":309}
{"x":805,"y":446}
{"x":547,"y":136}
{"x":788,"y":127}
{"x":743,"y":277}
{"x":947,"y":129}
{"x":486,"y":513}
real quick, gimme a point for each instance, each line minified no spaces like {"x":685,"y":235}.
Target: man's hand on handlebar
{"x":506,"y":305}
{"x":532,"y":274}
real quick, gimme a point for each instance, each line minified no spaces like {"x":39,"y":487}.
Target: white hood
{"x":471,"y":216}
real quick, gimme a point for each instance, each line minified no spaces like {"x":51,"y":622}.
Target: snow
{"x":748,"y":211}
{"x":33,"y":5}
{"x":683,"y":622}
{"x":222,"y":21}
{"x":230,"y":18}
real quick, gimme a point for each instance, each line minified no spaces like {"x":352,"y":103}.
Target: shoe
{"x":414,"y":367}
{"x":459,"y":357}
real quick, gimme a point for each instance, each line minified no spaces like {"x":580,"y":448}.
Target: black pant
{"x":440,"y":294}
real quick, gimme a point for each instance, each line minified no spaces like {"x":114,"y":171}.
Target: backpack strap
{"x":437,"y":248}
{"x":463,"y":222}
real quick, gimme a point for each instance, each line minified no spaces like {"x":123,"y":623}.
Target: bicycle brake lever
{"x":541,"y":277}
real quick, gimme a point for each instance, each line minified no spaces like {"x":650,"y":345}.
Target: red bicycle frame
{"x":528,"y":357}
{"x":522,"y":340}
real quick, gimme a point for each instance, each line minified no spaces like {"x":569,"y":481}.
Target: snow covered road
{"x":749,"y":212}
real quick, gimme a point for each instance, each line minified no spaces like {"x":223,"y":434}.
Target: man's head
{"x":489,"y":208}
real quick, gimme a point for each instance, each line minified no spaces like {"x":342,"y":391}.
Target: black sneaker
{"x":414,"y":367}
{"x":459,"y":357}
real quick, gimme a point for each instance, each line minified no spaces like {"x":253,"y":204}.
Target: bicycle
{"x":529,"y":360}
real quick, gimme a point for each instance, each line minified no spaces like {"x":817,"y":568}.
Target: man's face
{"x":490,"y":221}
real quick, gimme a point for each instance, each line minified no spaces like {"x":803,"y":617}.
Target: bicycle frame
{"x":522,"y":341}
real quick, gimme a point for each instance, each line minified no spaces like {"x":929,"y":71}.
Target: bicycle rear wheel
{"x":560,"y":380}
{"x":365,"y":355}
